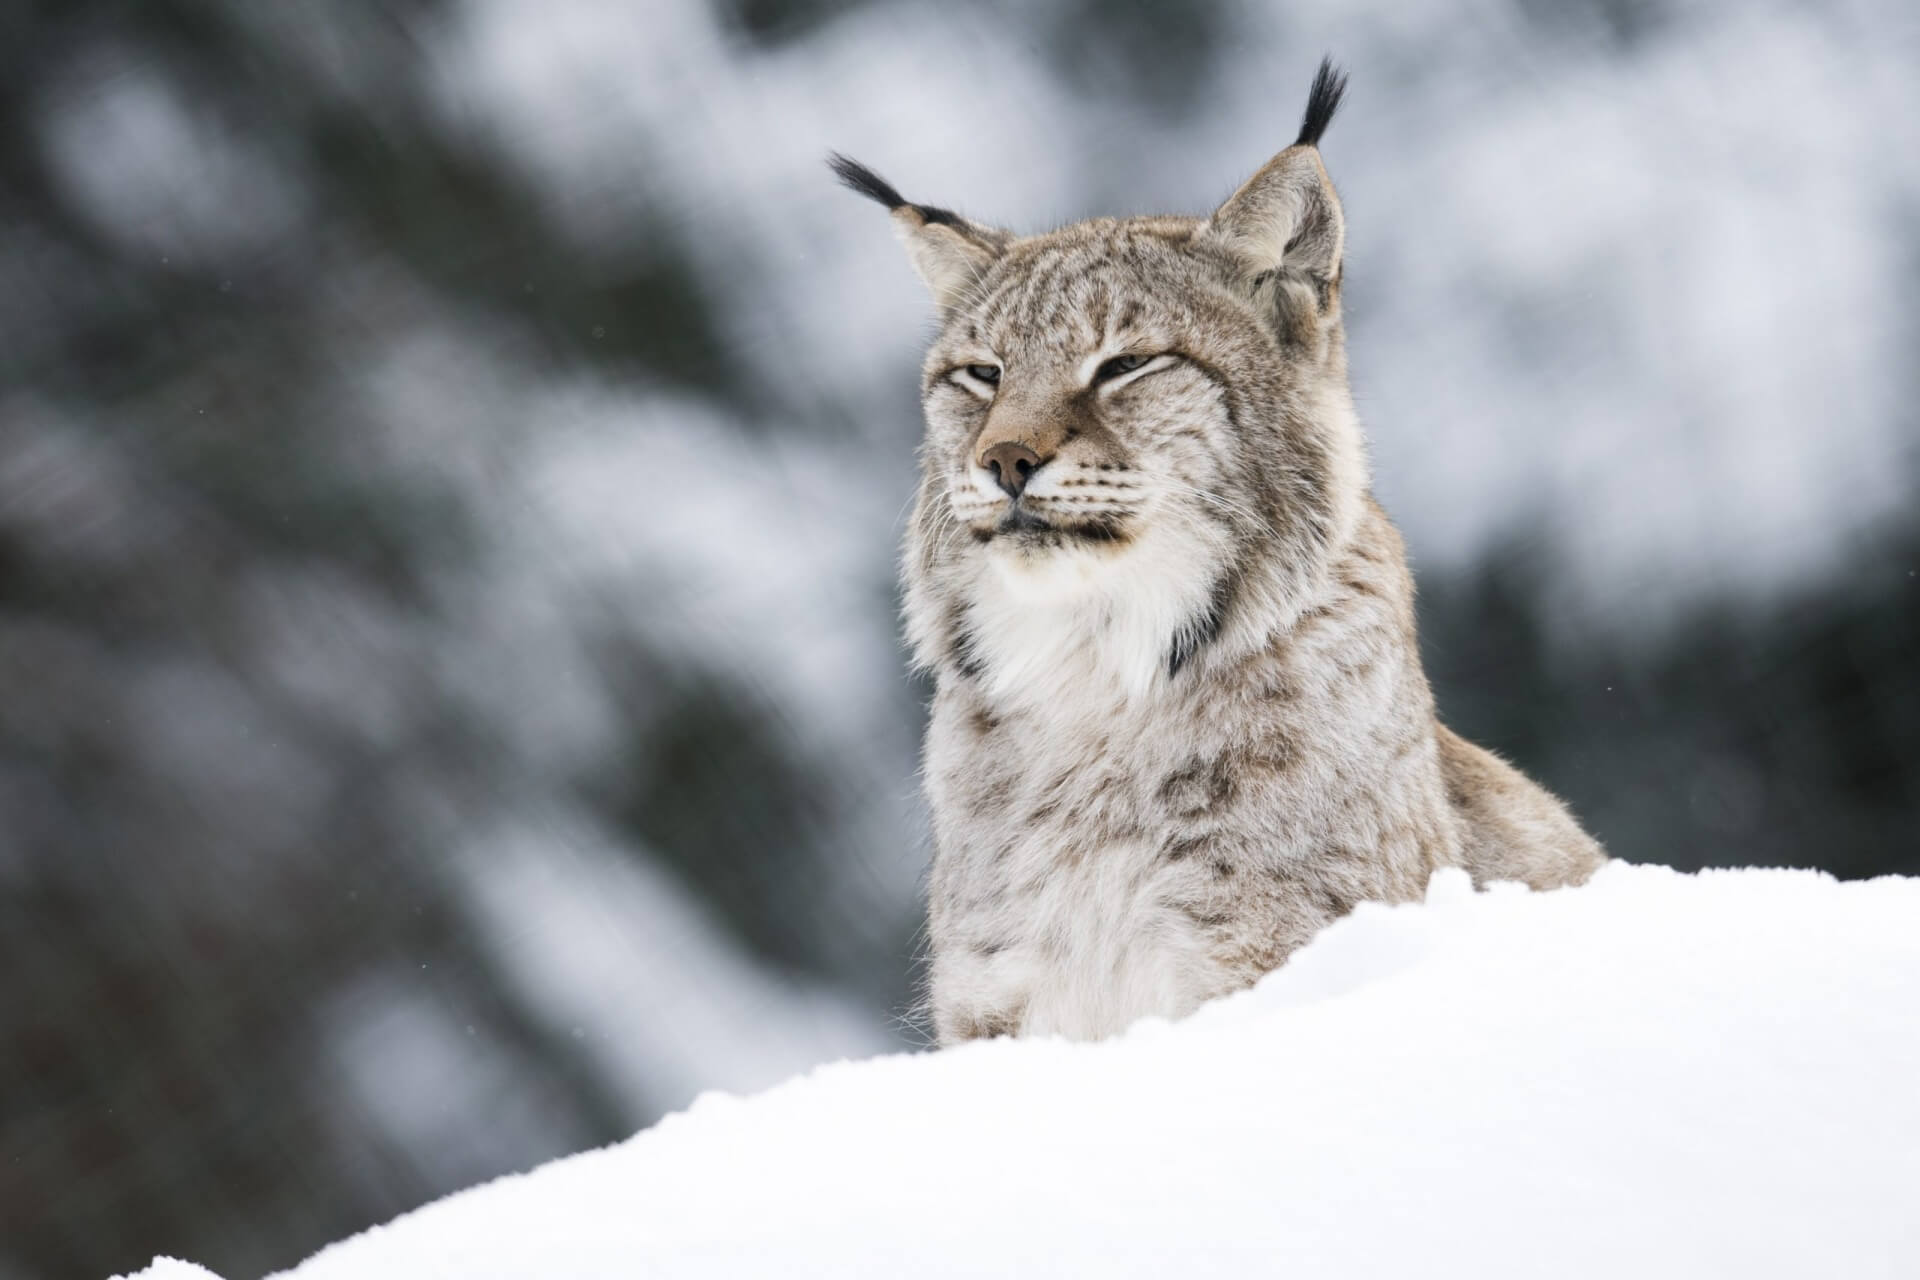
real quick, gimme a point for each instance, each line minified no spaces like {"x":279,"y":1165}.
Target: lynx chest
{"x":1072,"y":890}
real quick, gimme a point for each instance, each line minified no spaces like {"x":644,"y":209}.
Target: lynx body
{"x":1180,"y":721}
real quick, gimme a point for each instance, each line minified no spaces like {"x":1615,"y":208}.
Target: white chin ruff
{"x":1053,"y":621}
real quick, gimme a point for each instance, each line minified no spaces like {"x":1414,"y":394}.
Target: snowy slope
{"x":1654,"y":1075}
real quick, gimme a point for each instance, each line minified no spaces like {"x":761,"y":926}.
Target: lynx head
{"x":1140,"y":448}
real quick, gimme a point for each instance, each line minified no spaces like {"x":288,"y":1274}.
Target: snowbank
{"x":1656,"y":1074}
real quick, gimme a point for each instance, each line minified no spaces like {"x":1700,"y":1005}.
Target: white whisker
{"x":1224,"y":504}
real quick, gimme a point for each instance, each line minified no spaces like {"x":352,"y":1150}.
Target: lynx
{"x":1180,"y":722}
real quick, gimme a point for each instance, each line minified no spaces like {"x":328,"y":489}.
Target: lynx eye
{"x":987,"y":373}
{"x":1113,"y":368}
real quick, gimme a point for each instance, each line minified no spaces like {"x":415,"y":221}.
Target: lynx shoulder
{"x":1180,"y":722}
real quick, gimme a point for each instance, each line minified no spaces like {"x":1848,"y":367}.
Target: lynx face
{"x":1066,"y":406}
{"x":1140,"y":444}
{"x":1106,"y":388}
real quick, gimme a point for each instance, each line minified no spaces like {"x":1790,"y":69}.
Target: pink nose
{"x":1012,"y":465}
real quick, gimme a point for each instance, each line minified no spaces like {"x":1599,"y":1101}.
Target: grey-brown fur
{"x":1180,"y":721}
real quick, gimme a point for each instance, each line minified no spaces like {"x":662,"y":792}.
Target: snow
{"x":1653,"y":1075}
{"x":174,"y":1269}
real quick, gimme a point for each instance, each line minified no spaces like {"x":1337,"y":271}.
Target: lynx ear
{"x":1285,"y":221}
{"x":950,"y":252}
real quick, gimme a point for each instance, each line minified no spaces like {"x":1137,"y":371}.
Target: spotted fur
{"x":1180,"y":722}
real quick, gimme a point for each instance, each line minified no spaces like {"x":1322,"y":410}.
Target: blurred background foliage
{"x":451,"y":458}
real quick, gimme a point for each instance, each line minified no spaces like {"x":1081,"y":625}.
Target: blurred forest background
{"x":452,"y":455}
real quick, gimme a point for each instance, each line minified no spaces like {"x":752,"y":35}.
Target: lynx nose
{"x":1012,"y":464}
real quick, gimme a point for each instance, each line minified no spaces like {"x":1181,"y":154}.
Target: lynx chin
{"x":1180,"y":722}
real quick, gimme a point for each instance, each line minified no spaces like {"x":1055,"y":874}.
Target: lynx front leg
{"x":956,"y":1024}
{"x":976,"y":994}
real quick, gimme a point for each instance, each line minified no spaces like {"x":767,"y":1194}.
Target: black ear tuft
{"x":1329,"y":84}
{"x":857,"y":177}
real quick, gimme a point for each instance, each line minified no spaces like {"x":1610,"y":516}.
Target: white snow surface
{"x":1653,"y":1075}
